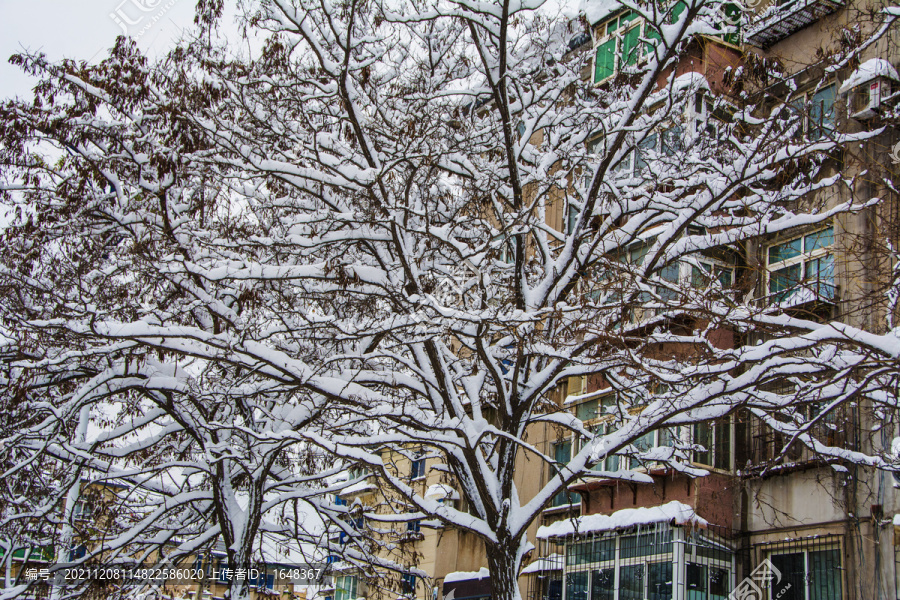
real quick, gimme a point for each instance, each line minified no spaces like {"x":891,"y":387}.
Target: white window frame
{"x":801,"y":259}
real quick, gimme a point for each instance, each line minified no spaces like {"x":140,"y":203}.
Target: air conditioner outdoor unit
{"x":868,"y":88}
{"x":865,"y":100}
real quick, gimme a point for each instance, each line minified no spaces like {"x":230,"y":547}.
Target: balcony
{"x":783,"y":19}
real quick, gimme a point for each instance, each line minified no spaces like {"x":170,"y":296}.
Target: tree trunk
{"x":504,"y":559}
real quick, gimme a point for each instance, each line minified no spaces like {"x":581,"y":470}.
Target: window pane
{"x":719,"y":586}
{"x":670,"y":272}
{"x":631,"y":582}
{"x":646,"y":544}
{"x":630,"y":52}
{"x":784,"y":279}
{"x":576,"y":586}
{"x":672,"y":140}
{"x":703,"y":437}
{"x":784,"y":251}
{"x":821,"y":113}
{"x":643,"y":443}
{"x":659,"y":581}
{"x":725,"y":276}
{"x":793,"y":576}
{"x":696,"y":582}
{"x":722,"y":457}
{"x":820,"y":271}
{"x":586,"y":410}
{"x":819,"y":239}
{"x":562,"y":452}
{"x":825,"y":575}
{"x":648,"y":144}
{"x":605,"y":62}
{"x":602,"y":584}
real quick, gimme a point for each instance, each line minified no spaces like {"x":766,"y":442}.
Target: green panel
{"x":825,"y":575}
{"x":630,"y":40}
{"x":603,"y":584}
{"x":587,"y":410}
{"x":605,"y":62}
{"x":653,"y":36}
{"x":677,"y":10}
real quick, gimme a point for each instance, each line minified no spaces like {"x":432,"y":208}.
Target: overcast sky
{"x":83,"y":29}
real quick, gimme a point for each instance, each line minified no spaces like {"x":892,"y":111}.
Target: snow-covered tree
{"x":395,"y":229}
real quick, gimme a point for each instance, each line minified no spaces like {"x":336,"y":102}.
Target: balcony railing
{"x":779,"y":21}
{"x":813,"y":291}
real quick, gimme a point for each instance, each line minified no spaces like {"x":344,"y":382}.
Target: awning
{"x":465,"y":584}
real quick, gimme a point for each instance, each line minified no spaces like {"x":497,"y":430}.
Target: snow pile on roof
{"x":554,"y":562}
{"x":869,"y":70}
{"x":481,"y":573}
{"x":595,"y":10}
{"x":674,"y":512}
{"x":440,"y":491}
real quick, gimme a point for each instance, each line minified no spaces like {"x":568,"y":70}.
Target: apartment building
{"x":769,"y":519}
{"x":806,"y":528}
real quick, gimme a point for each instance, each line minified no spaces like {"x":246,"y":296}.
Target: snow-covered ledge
{"x":674,"y":512}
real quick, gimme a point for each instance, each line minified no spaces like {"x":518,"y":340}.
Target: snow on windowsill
{"x":674,"y":512}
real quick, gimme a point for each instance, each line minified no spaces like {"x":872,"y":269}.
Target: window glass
{"x":587,"y":410}
{"x":603,"y":584}
{"x":643,"y":443}
{"x":719,"y":587}
{"x":722,"y":458}
{"x":659,"y":581}
{"x":605,"y":62}
{"x":785,"y":251}
{"x":630,"y":43}
{"x":417,"y":468}
{"x":784,"y":279}
{"x":631,"y":582}
{"x":576,"y":586}
{"x":821,"y":113}
{"x":670,"y":272}
{"x":696,"y":582}
{"x":647,"y":144}
{"x":345,"y":589}
{"x":825,"y":574}
{"x":819,"y":239}
{"x":793,"y":576}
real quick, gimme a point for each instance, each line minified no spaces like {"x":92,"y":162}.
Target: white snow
{"x":439,"y":491}
{"x":553,"y":562}
{"x":674,"y":512}
{"x":357,"y":488}
{"x":467,"y":575}
{"x":869,"y":70}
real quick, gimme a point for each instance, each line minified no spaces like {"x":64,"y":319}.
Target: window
{"x":408,"y":584}
{"x":715,"y":437}
{"x":417,"y":468}
{"x":619,"y":43}
{"x":802,"y":269}
{"x":78,"y":552}
{"x":812,"y":574}
{"x":816,"y":111}
{"x":83,"y":510}
{"x":345,"y":588}
{"x":611,"y":462}
{"x":642,"y":564}
{"x":562,"y":454}
{"x":414,"y":526}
